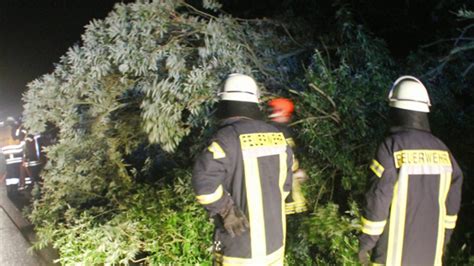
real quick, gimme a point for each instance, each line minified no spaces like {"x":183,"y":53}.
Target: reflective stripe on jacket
{"x":13,"y":159}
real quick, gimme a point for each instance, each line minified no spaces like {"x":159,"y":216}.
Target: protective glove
{"x":363,"y":257}
{"x":366,"y":244}
{"x":235,"y":221}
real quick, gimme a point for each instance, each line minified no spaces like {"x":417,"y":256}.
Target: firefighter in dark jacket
{"x":243,"y":178}
{"x":34,"y":158}
{"x":281,"y":112}
{"x":3,"y":166}
{"x":415,"y":192}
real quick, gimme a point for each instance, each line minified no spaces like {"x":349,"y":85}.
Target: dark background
{"x":34,"y":34}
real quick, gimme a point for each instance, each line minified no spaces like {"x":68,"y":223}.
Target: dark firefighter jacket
{"x":34,"y":158}
{"x":14,"y":158}
{"x":412,"y":204}
{"x":248,"y":163}
{"x":295,"y":202}
{"x":3,"y":164}
{"x":32,"y":152}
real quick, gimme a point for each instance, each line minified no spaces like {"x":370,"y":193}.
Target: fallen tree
{"x":134,"y":104}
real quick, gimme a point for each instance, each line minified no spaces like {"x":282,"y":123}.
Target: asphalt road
{"x":13,"y":246}
{"x":15,"y":234}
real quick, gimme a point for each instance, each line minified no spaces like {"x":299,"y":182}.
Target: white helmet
{"x":239,"y":87}
{"x":409,"y":93}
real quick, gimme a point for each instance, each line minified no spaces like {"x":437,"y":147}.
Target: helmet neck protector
{"x":228,"y":109}
{"x":409,"y":119}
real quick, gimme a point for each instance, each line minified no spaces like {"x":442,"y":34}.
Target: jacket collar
{"x":395,"y":129}
{"x":232,"y":120}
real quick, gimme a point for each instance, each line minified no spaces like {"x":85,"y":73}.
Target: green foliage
{"x":341,"y":110}
{"x":149,"y":226}
{"x":325,"y":237}
{"x":340,"y":122}
{"x":298,"y":250}
{"x":335,"y":236}
{"x":464,"y":13}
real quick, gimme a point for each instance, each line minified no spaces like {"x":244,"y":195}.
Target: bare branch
{"x":289,"y":35}
{"x":140,"y":260}
{"x":463,"y":32}
{"x":197,"y":11}
{"x":331,"y":116}
{"x":447,"y":40}
{"x":324,"y":94}
{"x":467,"y":69}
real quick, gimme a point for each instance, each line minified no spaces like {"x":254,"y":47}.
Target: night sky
{"x":34,"y":34}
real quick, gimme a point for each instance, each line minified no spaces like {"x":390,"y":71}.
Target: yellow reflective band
{"x":283,"y":175}
{"x":291,"y":142}
{"x":255,"y":140}
{"x":449,"y":225}
{"x":377,"y":168}
{"x":373,"y":228}
{"x":397,"y":219}
{"x":296,"y":192}
{"x":290,"y":206}
{"x":444,"y":184}
{"x":274,"y":259}
{"x":376,"y":264}
{"x":451,"y":218}
{"x":301,"y":209}
{"x":373,"y":223}
{"x":210,"y":198}
{"x":295,"y":207}
{"x":296,"y":164}
{"x":421,"y":157}
{"x":254,"y":198}
{"x":300,"y":204}
{"x":450,"y":221}
{"x":217,"y":151}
